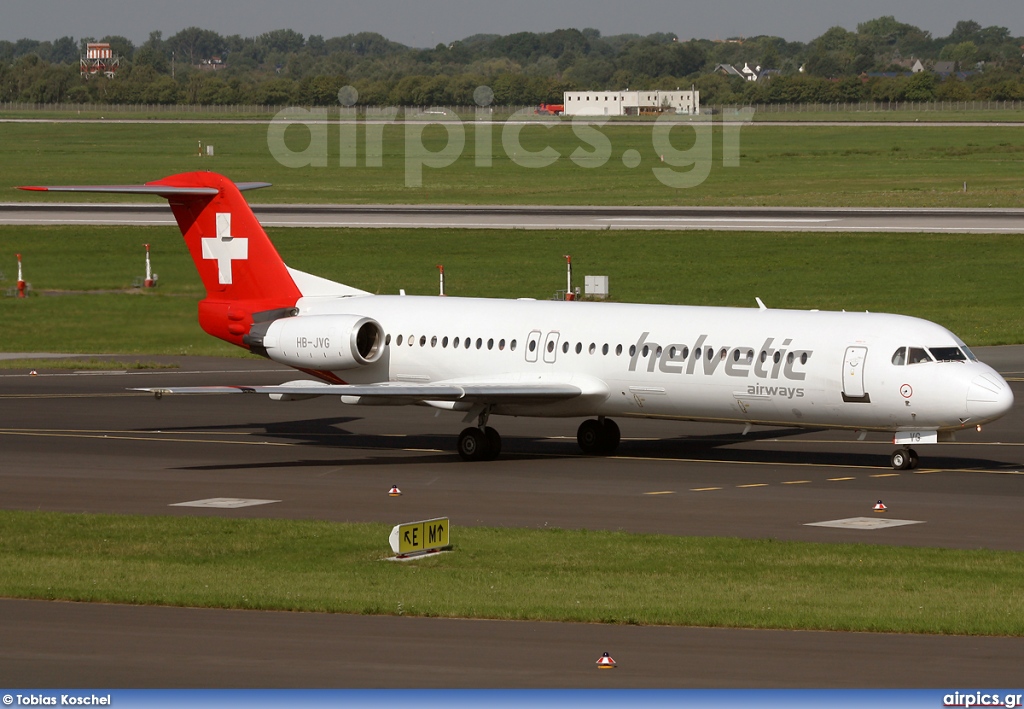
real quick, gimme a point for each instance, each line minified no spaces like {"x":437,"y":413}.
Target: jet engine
{"x":329,"y":342}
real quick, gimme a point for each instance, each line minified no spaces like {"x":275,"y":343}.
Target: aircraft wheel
{"x":493,"y":440}
{"x":472,"y":444}
{"x":611,"y":437}
{"x":590,"y":436}
{"x":901,"y":459}
{"x":914,"y":460}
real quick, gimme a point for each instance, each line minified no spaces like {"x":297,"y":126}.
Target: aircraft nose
{"x":989,"y":397}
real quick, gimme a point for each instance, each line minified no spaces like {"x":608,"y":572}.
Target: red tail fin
{"x":246,"y":280}
{"x":243,"y":274}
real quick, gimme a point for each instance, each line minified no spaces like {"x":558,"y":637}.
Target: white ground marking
{"x":864,"y":523}
{"x":223,"y":503}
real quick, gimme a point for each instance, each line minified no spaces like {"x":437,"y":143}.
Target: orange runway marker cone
{"x":394,"y":491}
{"x":879,"y":507}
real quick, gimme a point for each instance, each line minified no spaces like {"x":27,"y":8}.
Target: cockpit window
{"x":899,"y":357}
{"x":918,"y":355}
{"x":970,"y":355}
{"x":947,"y":354}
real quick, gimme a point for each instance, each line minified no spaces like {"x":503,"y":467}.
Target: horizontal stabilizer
{"x":158,"y":190}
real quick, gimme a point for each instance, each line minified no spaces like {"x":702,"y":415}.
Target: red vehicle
{"x":550,"y":109}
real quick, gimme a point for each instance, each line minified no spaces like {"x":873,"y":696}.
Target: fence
{"x":468,"y":112}
{"x":438,"y":112}
{"x":880,"y":106}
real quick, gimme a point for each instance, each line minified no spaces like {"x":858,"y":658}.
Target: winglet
{"x":760,"y":304}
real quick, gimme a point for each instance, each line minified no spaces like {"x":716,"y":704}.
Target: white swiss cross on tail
{"x":225,"y":248}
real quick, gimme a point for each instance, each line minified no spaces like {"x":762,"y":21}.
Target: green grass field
{"x":562,"y":575}
{"x":962,"y":282}
{"x":779,"y":166}
{"x":91,"y":364}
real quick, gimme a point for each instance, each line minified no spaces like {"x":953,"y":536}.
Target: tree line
{"x":283,"y":67}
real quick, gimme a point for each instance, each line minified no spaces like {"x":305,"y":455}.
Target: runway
{"x":791,"y":219}
{"x":81,"y":443}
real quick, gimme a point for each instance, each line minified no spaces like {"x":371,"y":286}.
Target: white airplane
{"x":484,"y":357}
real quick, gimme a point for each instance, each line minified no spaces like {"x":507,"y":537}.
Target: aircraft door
{"x":551,"y":347}
{"x":853,"y":374}
{"x":532,"y":346}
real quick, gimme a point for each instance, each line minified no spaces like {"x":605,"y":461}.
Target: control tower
{"x":99,"y":59}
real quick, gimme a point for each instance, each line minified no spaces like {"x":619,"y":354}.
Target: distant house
{"x":746,"y":73}
{"x":728,"y":70}
{"x":913,"y":65}
{"x":212,"y":64}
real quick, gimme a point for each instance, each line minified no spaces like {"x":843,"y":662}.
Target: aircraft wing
{"x":477,"y":392}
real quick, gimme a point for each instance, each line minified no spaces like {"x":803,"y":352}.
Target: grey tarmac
{"x":615,"y":218}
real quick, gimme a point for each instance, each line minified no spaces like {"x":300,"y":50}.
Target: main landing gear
{"x":477,"y":443}
{"x":598,"y":436}
{"x":480,"y":442}
{"x":904,"y":459}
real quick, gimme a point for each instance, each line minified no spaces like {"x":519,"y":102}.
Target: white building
{"x":630,"y":103}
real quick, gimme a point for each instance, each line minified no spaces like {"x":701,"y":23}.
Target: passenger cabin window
{"x":947,"y":354}
{"x":918,"y":355}
{"x":899,"y":357}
